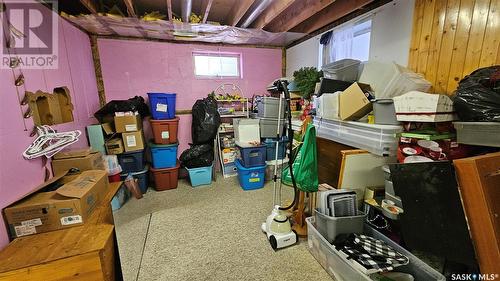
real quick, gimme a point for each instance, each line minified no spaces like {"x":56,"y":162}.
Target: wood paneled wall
{"x":452,"y":38}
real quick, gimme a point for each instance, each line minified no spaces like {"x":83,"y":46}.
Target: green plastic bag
{"x":305,"y":164}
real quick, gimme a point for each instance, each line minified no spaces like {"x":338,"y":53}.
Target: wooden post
{"x":98,"y":71}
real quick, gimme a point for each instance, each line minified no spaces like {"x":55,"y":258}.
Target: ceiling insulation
{"x":109,"y":25}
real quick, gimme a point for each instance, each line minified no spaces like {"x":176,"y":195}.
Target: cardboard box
{"x":114,"y":146}
{"x":133,"y":141}
{"x":353,"y":103}
{"x":70,"y":205}
{"x":82,"y":159}
{"x":127,"y":123}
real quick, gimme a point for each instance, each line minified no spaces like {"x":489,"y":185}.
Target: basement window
{"x":217,"y":65}
{"x":348,"y":41}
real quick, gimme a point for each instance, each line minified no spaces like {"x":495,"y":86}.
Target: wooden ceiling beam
{"x":337,"y":10}
{"x":205,"y":9}
{"x":130,"y":8}
{"x":296,"y":13}
{"x":273,"y":11}
{"x":89,"y":4}
{"x":169,"y":9}
{"x":237,"y":11}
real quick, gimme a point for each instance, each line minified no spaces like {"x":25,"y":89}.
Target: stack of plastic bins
{"x":164,"y":125}
{"x":377,"y":139}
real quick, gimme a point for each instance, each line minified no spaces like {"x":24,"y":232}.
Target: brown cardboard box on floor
{"x":353,"y":104}
{"x":114,"y":146}
{"x":82,"y":159}
{"x":127,"y":123}
{"x":70,"y":205}
{"x":133,"y":141}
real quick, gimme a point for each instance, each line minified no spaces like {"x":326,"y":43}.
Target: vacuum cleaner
{"x":277,"y":226}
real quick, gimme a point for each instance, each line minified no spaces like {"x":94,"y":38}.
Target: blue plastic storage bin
{"x":271,"y":148}
{"x":253,"y":156}
{"x":132,"y":161}
{"x":142,"y":178}
{"x":250,"y":178}
{"x":200,"y":176}
{"x":162,"y":105}
{"x":163,"y":156}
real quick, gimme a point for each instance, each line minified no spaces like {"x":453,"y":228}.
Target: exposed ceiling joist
{"x":237,"y":11}
{"x":89,"y":4}
{"x":296,"y":13}
{"x":169,"y":9}
{"x":275,"y":9}
{"x":330,"y":14}
{"x":205,"y":9}
{"x":186,"y":7}
{"x":130,"y":8}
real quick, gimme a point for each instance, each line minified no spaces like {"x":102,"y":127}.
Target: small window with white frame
{"x":217,"y":65}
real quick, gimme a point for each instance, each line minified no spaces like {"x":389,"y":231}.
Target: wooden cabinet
{"x":479,"y":183}
{"x":84,"y":252}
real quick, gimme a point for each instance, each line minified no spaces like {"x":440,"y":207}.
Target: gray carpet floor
{"x":207,"y":233}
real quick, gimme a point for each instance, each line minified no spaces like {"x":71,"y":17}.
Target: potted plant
{"x":306,"y":79}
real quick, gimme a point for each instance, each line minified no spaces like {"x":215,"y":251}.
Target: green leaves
{"x":306,"y":79}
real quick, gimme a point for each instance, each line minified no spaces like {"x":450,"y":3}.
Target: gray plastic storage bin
{"x":269,"y":106}
{"x":478,"y":133}
{"x":330,"y":227}
{"x":340,"y":268}
{"x":384,"y":112}
{"x":268,"y":127}
{"x":345,"y":70}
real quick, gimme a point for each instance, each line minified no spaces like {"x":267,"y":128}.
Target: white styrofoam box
{"x":328,"y":106}
{"x":478,"y":133}
{"x":389,"y":80}
{"x":246,"y":131}
{"x":416,"y":106}
{"x":377,"y":139}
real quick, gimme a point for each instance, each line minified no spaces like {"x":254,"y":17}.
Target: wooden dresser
{"x":86,"y":252}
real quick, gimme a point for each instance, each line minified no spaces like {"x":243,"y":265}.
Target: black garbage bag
{"x":477,"y":97}
{"x":197,"y":156}
{"x":206,"y":121}
{"x":133,"y":104}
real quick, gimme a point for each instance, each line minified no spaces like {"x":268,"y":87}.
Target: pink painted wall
{"x":133,"y":68}
{"x":76,"y":71}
